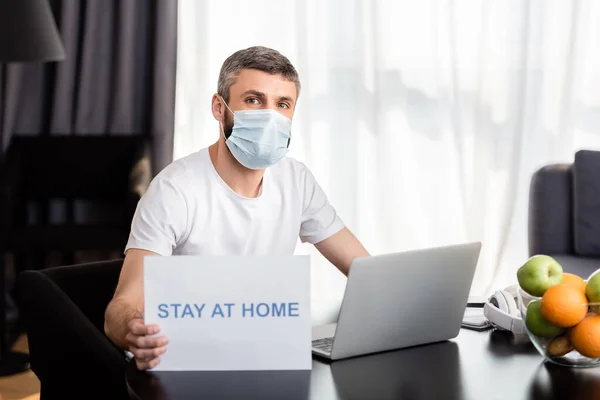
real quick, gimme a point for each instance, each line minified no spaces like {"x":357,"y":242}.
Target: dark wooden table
{"x":475,"y":365}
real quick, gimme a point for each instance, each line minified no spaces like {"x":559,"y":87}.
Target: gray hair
{"x":257,"y":57}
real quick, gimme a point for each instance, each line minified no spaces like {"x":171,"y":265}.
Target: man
{"x":240,"y":196}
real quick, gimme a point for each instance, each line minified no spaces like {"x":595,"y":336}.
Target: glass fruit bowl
{"x":577,"y":345}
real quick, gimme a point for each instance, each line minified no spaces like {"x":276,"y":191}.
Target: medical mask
{"x":259,"y":137}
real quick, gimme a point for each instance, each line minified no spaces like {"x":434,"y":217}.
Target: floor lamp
{"x":28,"y":33}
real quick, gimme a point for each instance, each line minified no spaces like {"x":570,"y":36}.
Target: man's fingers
{"x":143,"y":342}
{"x":147,"y":354}
{"x":137,"y":327}
{"x":153,"y":363}
{"x":143,"y":365}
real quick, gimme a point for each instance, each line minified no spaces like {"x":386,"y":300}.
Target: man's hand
{"x":147,"y":350}
{"x":123,"y":323}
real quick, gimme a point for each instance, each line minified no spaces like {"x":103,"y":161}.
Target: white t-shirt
{"x":189,"y":210}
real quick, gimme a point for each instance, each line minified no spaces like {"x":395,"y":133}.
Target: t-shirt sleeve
{"x":160,"y":219}
{"x":319,"y":218}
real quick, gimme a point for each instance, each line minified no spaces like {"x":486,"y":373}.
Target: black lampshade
{"x":28,"y":32}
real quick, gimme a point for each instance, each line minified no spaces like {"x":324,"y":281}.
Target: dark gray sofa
{"x":564,"y":213}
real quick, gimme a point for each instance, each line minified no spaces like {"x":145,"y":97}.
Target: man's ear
{"x":218,"y":108}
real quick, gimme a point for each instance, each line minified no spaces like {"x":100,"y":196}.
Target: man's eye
{"x":252,"y":100}
{"x":284,"y":105}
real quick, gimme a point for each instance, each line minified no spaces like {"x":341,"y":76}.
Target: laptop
{"x":400,"y":300}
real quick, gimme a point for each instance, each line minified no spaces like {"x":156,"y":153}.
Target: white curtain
{"x":423,"y":121}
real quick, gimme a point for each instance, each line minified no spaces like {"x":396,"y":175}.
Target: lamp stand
{"x":10,"y":362}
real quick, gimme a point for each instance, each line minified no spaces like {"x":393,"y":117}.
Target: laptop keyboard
{"x":323,"y":344}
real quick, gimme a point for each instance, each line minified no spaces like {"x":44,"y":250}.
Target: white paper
{"x":474,"y":318}
{"x":230,"y":322}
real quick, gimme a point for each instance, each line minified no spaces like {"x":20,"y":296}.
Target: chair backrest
{"x":63,"y":312}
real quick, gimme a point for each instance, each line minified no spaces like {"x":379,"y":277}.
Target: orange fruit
{"x":573,"y":280}
{"x":585,"y":337}
{"x":564,"y":305}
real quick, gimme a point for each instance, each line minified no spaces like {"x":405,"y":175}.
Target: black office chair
{"x":63,"y":311}
{"x":67,"y":195}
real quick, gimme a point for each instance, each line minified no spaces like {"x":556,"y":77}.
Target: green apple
{"x":538,"y":274}
{"x":592,"y":288}
{"x":536,"y":323}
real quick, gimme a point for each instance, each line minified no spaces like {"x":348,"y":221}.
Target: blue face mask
{"x":259,"y":137}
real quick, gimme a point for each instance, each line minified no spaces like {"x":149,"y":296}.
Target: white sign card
{"x":231,"y":312}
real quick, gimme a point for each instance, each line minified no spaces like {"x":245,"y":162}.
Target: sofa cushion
{"x":550,"y":222}
{"x":586,"y":203}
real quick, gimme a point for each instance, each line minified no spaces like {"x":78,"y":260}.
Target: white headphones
{"x":502,"y":311}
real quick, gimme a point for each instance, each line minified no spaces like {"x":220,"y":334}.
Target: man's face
{"x":258,"y":90}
